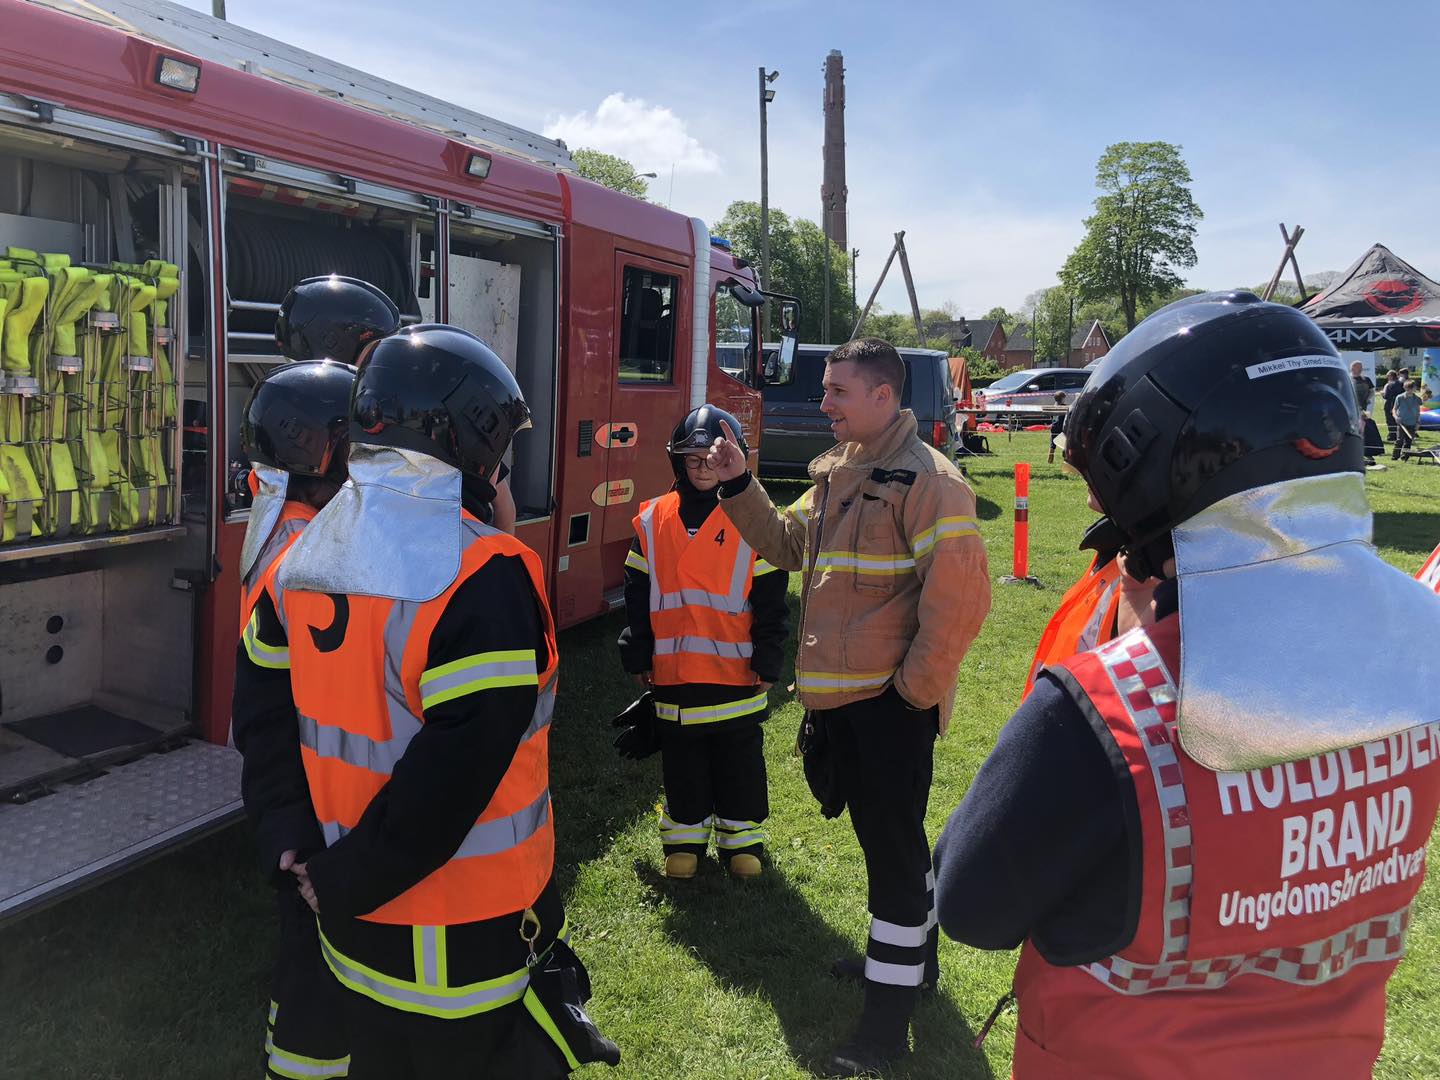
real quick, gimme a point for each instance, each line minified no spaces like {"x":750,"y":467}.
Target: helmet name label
{"x":1294,"y":363}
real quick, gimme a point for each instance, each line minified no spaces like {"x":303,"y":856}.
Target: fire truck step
{"x":84,"y":731}
{"x":85,"y":832}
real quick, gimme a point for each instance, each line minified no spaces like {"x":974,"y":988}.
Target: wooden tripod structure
{"x":1291,"y":239}
{"x":898,"y":249}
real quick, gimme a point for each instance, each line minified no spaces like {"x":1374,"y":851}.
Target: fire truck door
{"x":648,"y":397}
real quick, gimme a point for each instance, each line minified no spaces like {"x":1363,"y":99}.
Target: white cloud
{"x":650,"y":137}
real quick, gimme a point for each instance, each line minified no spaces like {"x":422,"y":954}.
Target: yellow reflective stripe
{"x":636,"y":561}
{"x":447,"y":1002}
{"x":800,"y":508}
{"x":709,"y":714}
{"x":261,"y":654}
{"x":857,"y":562}
{"x":944,"y":528}
{"x":763,"y":567}
{"x":299,"y":1067}
{"x":481,"y":671}
{"x":536,"y":1009}
{"x":839,"y":682}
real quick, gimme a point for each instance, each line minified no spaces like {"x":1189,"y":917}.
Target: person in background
{"x":1057,"y":425}
{"x":1162,"y":823}
{"x":707,"y":627}
{"x":1407,"y":418}
{"x":1365,"y":402}
{"x":1394,"y":387}
{"x":896,"y":588}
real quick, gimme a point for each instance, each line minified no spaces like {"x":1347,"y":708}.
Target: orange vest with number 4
{"x":699,"y":596}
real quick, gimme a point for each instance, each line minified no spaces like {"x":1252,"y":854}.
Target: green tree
{"x":1142,"y":231}
{"x":1050,"y":324}
{"x":1002,"y":316}
{"x":978,"y":364}
{"x":614,"y":172}
{"x":797,"y":266}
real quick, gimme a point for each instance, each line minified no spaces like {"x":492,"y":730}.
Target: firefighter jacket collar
{"x":393,"y":530}
{"x":264,"y":513}
{"x":891,"y":441}
{"x":1274,"y":584}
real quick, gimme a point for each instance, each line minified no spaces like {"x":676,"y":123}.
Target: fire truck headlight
{"x":478,"y":166}
{"x":175,"y":74}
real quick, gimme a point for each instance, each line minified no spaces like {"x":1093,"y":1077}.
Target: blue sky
{"x":973,"y":127}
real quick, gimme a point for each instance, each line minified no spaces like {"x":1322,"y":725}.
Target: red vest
{"x":1274,"y":903}
{"x":1085,"y":619}
{"x":1430,"y":573}
{"x":699,"y":596}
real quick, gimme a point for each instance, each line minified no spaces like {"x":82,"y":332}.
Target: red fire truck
{"x":164,"y":178}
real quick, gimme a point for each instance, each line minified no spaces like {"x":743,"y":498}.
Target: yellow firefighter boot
{"x":681,"y":865}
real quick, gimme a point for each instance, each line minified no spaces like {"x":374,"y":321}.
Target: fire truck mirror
{"x":780,"y":364}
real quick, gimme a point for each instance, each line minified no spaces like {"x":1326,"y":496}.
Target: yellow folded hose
{"x":25,"y":295}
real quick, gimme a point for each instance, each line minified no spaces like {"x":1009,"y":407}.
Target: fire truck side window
{"x":647,"y":326}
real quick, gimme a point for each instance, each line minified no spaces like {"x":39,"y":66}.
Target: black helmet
{"x":1209,"y":396}
{"x":698,"y":431}
{"x":441,"y":391}
{"x":333,"y":318}
{"x":297,"y":417}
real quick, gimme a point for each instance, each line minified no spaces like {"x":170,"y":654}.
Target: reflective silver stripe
{"x":894,"y":974}
{"x":463,"y":1001}
{"x":729,"y":650}
{"x":700,"y":598}
{"x":709,"y":714}
{"x":478,"y":676}
{"x":361,"y":751}
{"x":647,"y":527}
{"x":484,"y":837}
{"x":282,"y":1063}
{"x":888,"y":933}
{"x":502,"y":834}
{"x":429,"y":955}
{"x":544,"y":712}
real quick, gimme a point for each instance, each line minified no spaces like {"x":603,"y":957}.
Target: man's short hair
{"x":875,"y":358}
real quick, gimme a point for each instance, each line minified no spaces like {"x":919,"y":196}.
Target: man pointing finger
{"x":895,"y":589}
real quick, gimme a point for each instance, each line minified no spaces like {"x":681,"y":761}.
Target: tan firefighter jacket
{"x":896,"y":583}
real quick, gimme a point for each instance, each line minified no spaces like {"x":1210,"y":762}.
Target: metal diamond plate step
{"x":86,"y":832}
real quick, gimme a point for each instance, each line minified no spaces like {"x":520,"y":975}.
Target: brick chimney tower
{"x":833,"y":192}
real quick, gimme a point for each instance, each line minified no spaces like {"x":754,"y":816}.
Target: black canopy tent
{"x":1381,"y":302}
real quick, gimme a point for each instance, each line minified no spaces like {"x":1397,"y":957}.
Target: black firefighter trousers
{"x":884,"y":756}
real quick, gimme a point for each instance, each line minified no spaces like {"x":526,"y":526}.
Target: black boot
{"x":882,"y":1038}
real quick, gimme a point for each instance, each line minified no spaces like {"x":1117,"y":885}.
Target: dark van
{"x":795,"y":432}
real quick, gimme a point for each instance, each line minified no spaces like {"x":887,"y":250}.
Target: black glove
{"x":638,"y":738}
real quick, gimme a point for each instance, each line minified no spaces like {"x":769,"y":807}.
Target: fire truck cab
{"x":165,"y":177}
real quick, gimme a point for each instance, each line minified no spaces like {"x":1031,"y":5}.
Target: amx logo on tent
{"x":1369,"y":336}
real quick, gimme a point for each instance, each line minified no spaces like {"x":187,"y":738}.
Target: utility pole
{"x":854,"y":292}
{"x":767,"y":95}
{"x":1070,"y":331}
{"x":217,"y":8}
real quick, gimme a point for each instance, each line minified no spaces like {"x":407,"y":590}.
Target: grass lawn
{"x":164,"y":973}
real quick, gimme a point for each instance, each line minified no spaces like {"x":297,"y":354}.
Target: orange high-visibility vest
{"x":1085,"y":619}
{"x":699,"y":595}
{"x":357,"y":670}
{"x":1274,"y":903}
{"x":294,"y":516}
{"x":1430,"y":573}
